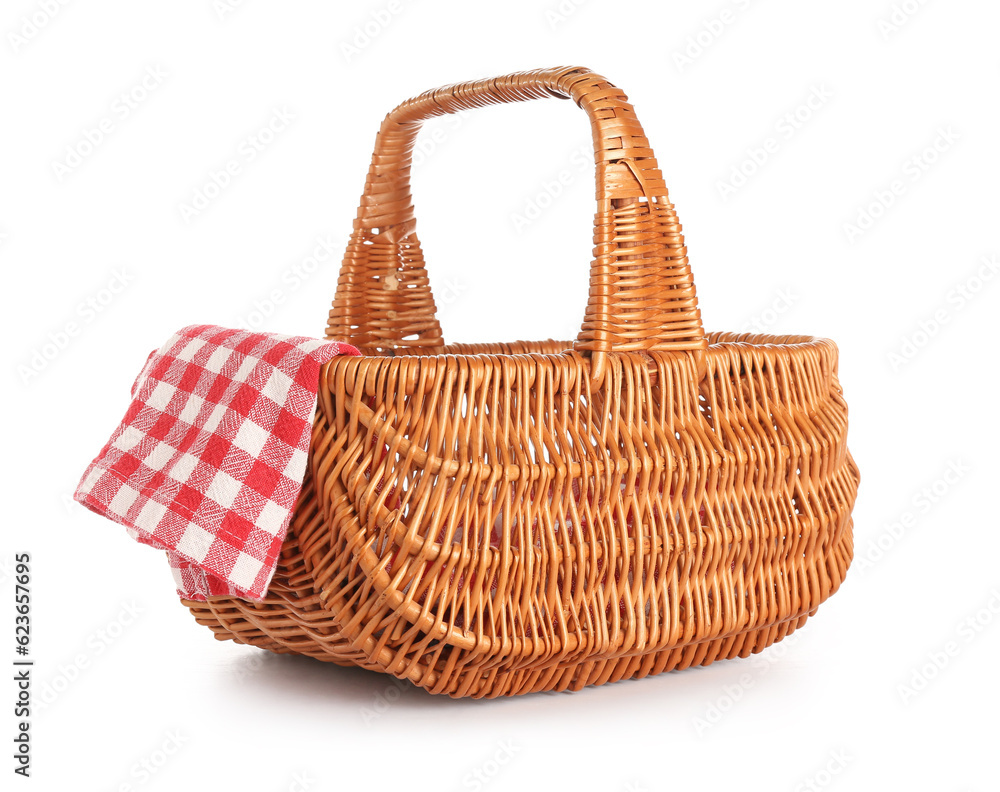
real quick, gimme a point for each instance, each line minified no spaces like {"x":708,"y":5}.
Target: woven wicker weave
{"x":497,"y":519}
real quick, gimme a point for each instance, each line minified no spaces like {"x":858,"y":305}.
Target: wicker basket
{"x":497,"y":519}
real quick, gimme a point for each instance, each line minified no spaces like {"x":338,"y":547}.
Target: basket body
{"x":473,"y":562}
{"x":497,"y":519}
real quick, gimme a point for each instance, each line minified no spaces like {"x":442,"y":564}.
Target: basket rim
{"x":717,"y":340}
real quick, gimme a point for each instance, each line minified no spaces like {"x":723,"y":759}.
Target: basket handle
{"x":642,"y":296}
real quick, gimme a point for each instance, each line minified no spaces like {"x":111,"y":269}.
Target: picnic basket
{"x":496,"y":519}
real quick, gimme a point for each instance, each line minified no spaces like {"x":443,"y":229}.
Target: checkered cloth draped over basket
{"x":208,"y":461}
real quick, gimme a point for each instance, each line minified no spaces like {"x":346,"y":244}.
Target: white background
{"x":910,"y":99}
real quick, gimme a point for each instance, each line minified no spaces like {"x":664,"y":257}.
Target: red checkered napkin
{"x":209,"y":459}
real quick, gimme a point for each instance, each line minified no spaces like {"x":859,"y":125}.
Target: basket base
{"x":253,"y":624}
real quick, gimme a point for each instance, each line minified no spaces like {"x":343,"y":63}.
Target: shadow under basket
{"x":496,"y":519}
